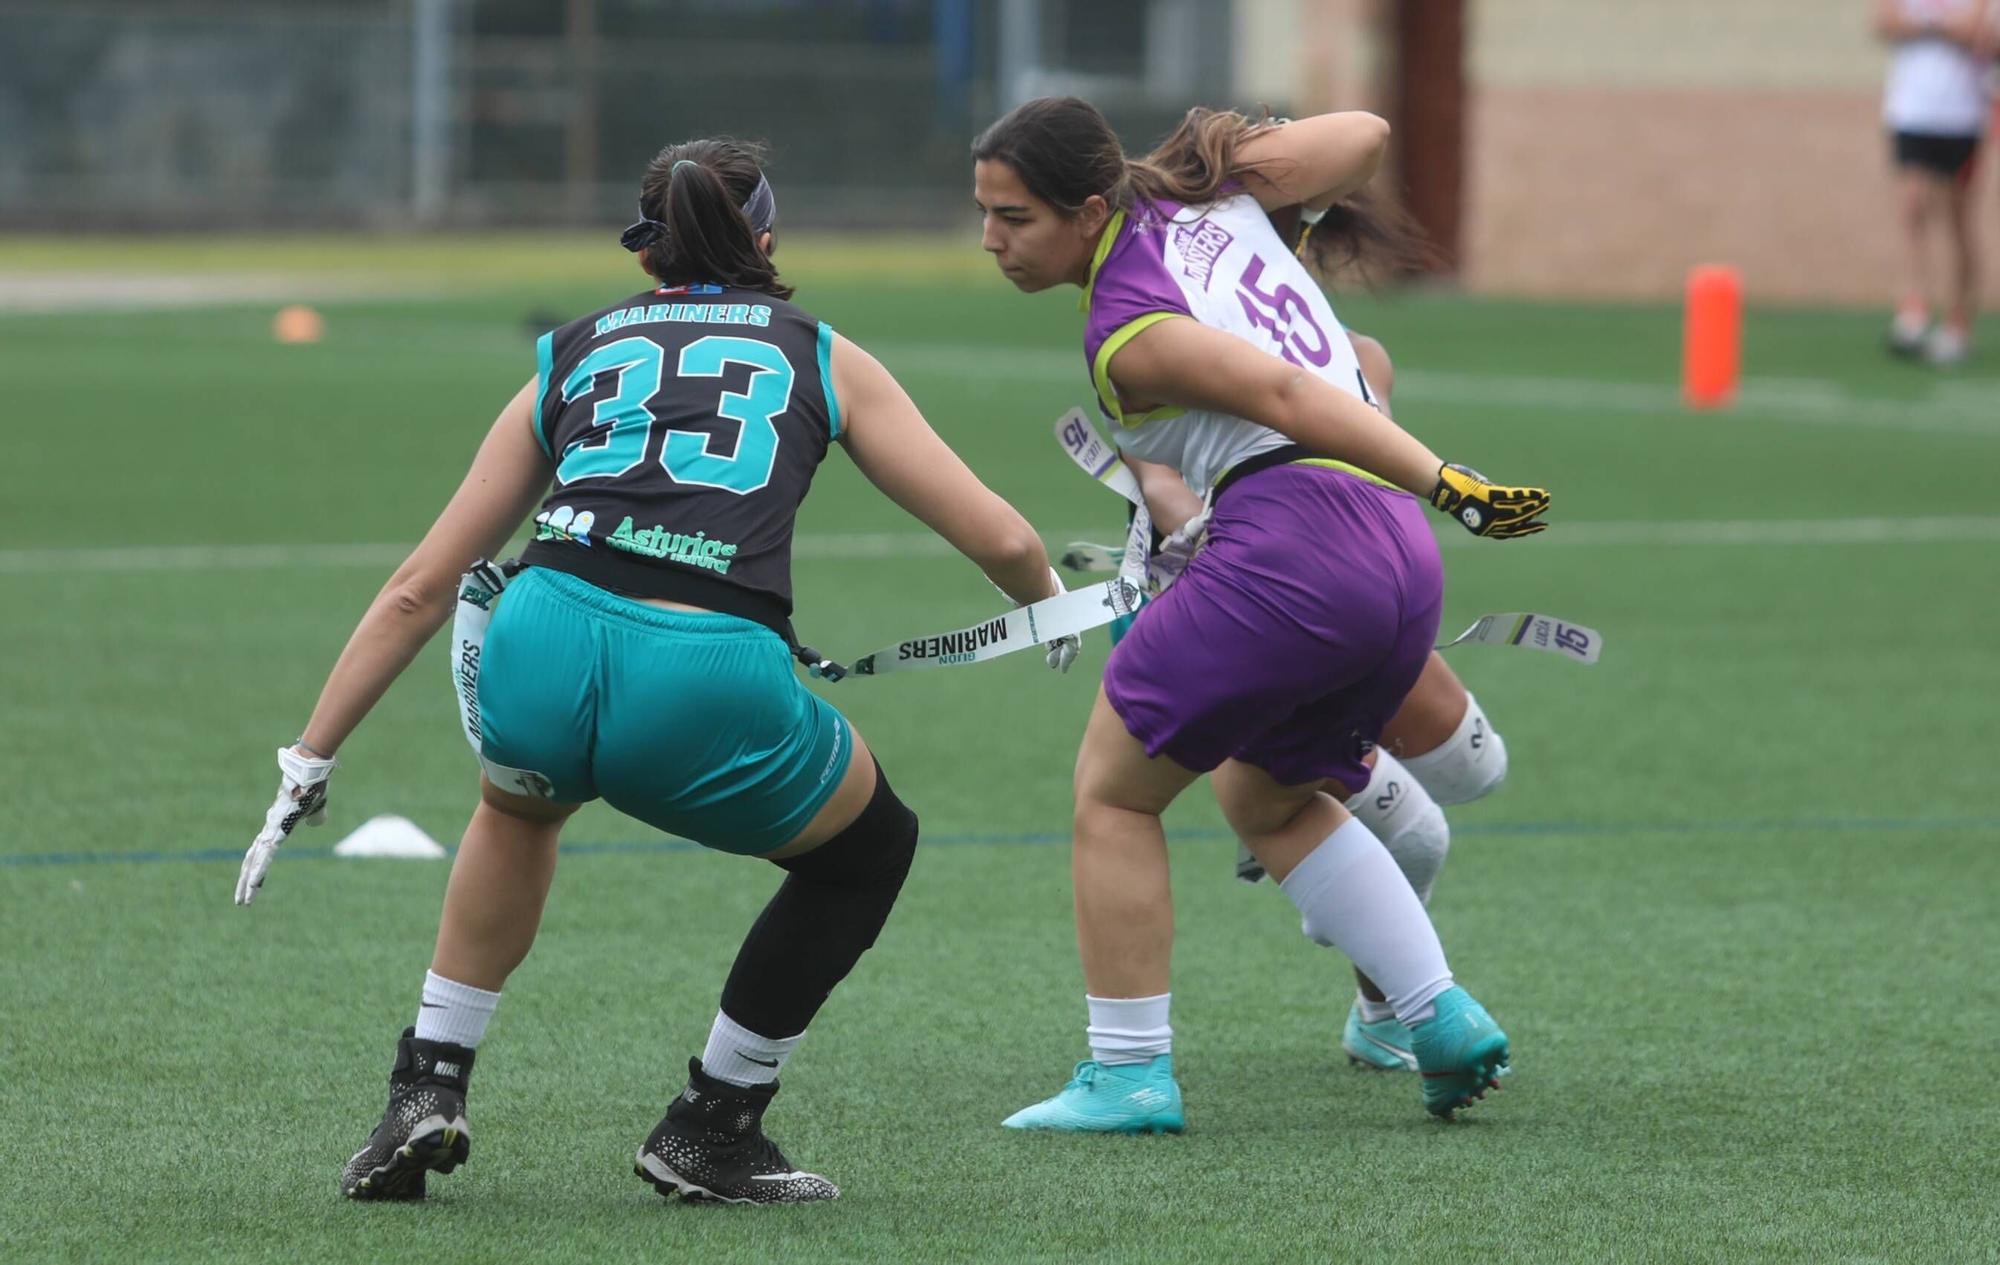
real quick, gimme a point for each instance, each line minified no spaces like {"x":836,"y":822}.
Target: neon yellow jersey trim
{"x":1100,"y":369}
{"x":1105,"y":241}
{"x":1345,"y":468}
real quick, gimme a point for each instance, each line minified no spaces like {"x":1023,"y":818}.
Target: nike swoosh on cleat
{"x":1405,"y":1057}
{"x":783,"y":1177}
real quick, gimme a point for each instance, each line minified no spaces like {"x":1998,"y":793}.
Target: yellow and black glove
{"x":1487,"y":509}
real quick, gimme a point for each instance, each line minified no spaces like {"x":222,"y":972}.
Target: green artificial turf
{"x":1736,"y":903}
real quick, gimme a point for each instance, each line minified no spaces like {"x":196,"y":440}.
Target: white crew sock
{"x":742,"y":1057}
{"x":1374,"y":1011}
{"x":1129,"y":1029}
{"x":454,"y":1012}
{"x":1401,"y":813}
{"x":1351,"y":896}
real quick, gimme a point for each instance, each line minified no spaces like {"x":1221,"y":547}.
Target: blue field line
{"x":1609,"y":829}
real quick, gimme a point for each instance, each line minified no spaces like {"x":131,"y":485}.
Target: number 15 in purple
{"x":1280,"y":312}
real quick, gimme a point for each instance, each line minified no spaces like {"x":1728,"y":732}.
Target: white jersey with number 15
{"x":1222,"y":265}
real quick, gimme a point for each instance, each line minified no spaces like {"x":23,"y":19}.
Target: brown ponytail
{"x":1193,"y":164}
{"x":1370,"y":237}
{"x":1365,"y":234}
{"x":695,"y":192}
{"x":1064,"y":150}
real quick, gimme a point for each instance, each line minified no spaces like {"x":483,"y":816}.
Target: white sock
{"x":742,"y":1057}
{"x":1402,"y":814}
{"x":1129,"y":1029}
{"x":1351,"y":896}
{"x":1374,"y":1011}
{"x":454,"y":1012}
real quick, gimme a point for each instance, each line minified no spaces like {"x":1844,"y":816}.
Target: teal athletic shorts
{"x":691,"y":721}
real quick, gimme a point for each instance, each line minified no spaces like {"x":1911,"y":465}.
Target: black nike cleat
{"x":711,"y":1148}
{"x":423,"y":1129}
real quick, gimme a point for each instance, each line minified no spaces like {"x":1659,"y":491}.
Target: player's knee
{"x":1467,"y":765}
{"x":1421,"y":846}
{"x":1100,"y":786}
{"x":872,"y":851}
{"x":1407,"y":819}
{"x":1256,"y":811}
{"x":1251,"y":822}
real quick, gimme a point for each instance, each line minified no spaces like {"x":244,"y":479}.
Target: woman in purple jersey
{"x":1293,"y":636}
{"x":1439,"y":749}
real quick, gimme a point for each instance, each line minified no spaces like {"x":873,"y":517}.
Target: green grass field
{"x":1736,"y":903}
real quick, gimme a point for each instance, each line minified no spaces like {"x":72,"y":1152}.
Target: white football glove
{"x":1176,"y":551}
{"x":301,"y":798}
{"x":1063,"y":650}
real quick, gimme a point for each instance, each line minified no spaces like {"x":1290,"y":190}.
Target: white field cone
{"x":389,"y":836}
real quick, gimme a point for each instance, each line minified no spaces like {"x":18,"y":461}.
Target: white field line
{"x":1956,"y":408}
{"x":1803,"y":400}
{"x":37,"y":294}
{"x":863,"y":546}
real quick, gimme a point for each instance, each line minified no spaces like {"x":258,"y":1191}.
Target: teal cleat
{"x":1111,"y":1098}
{"x":1383,"y":1045}
{"x":1461,"y":1052}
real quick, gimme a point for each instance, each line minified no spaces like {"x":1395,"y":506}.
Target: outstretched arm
{"x":506,"y":479}
{"x":896,"y":449}
{"x":1186,"y":364}
{"x":1182,"y":362}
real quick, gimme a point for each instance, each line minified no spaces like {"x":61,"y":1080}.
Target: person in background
{"x":1935,"y":107}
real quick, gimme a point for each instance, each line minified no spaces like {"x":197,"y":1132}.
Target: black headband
{"x":761,"y":210}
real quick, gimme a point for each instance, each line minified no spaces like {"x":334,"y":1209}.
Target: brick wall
{"x":1613,"y":145}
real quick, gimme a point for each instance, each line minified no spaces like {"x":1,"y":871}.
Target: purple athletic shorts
{"x":1294,"y":635}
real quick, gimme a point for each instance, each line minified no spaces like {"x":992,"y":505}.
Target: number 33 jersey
{"x":1224,"y":266}
{"x":685,"y":425}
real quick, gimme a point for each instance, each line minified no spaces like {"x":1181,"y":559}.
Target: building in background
{"x":1613,"y":146}
{"x":173,"y":114}
{"x":1553,"y":147}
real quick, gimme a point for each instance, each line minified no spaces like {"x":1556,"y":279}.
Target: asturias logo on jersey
{"x":657,"y":542}
{"x":564,"y":523}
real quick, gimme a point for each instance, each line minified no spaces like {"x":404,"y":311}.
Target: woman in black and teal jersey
{"x":645,"y":657}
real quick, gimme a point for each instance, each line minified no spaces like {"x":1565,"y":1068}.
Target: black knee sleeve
{"x":827,"y":913}
{"x":875,"y":849}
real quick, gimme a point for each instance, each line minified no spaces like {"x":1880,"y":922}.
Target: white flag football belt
{"x":1025,"y":627}
{"x":476,"y":590}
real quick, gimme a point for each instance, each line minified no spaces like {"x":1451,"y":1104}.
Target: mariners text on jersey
{"x":704,"y":313}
